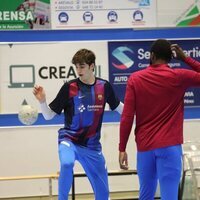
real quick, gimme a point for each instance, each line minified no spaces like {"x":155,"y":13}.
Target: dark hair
{"x":84,"y":56}
{"x":162,"y":49}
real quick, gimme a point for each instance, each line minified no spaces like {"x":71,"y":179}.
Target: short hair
{"x":162,"y":49}
{"x":84,"y":56}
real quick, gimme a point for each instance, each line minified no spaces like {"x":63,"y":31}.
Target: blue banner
{"x":127,"y":57}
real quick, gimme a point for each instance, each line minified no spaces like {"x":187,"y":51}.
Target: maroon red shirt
{"x":156,"y":96}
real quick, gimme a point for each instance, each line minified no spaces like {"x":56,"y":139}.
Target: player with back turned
{"x":156,"y":96}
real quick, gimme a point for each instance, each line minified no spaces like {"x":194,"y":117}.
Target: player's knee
{"x":67,"y":164}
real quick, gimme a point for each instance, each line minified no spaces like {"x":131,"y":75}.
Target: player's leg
{"x":67,"y":159}
{"x":94,"y":165}
{"x":146,"y":169}
{"x":169,"y":167}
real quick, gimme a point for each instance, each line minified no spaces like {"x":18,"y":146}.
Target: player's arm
{"x":178,"y":52}
{"x":113,"y":100}
{"x":119,"y":108}
{"x":180,"y":55}
{"x":123,"y":160}
{"x":126,"y":123}
{"x":46,"y":111}
{"x":40,"y":95}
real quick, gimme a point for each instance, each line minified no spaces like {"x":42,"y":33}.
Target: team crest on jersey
{"x":100,"y":96}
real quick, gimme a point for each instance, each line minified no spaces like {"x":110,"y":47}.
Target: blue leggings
{"x":165,"y":165}
{"x":93,"y":163}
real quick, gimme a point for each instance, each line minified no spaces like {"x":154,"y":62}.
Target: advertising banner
{"x":79,"y":14}
{"x":130,"y":56}
{"x":178,"y":13}
{"x":190,"y":16}
{"x":47,"y":64}
{"x":90,"y":14}
{"x":24,"y":14}
{"x":97,"y":14}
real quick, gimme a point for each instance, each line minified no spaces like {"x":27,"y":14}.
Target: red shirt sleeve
{"x":194,"y":64}
{"x":190,"y":78}
{"x":127,"y":115}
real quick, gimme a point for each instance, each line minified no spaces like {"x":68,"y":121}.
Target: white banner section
{"x":24,"y":65}
{"x":83,"y":14}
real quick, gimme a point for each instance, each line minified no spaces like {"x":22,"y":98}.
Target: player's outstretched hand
{"x":39,"y":93}
{"x":178,"y":52}
{"x":123,"y":160}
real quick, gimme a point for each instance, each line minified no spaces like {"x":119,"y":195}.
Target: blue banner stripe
{"x":98,"y":34}
{"x":9,"y":120}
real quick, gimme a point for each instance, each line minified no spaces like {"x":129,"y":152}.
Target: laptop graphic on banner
{"x":22,"y":76}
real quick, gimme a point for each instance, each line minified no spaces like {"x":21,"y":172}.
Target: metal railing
{"x":55,"y":176}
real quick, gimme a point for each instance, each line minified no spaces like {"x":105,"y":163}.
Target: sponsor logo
{"x":144,"y":3}
{"x":66,"y":143}
{"x":16,"y":15}
{"x":190,"y":17}
{"x":138,"y":15}
{"x":88,"y":17}
{"x":80,"y":97}
{"x":112,"y":16}
{"x":120,"y":54}
{"x":22,"y":76}
{"x":94,"y":107}
{"x":81,"y":108}
{"x":63,"y":17}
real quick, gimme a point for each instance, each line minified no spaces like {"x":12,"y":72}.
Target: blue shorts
{"x":93,"y":163}
{"x":163,"y":164}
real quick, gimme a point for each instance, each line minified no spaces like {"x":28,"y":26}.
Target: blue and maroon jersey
{"x":83,"y":107}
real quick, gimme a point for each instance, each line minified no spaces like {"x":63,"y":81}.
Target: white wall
{"x":33,"y":151}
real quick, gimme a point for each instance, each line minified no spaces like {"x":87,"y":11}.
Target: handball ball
{"x":28,"y":115}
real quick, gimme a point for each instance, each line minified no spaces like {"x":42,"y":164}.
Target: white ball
{"x":28,"y":115}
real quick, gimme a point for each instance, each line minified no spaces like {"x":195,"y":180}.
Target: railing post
{"x":50,"y":189}
{"x":73,"y":188}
